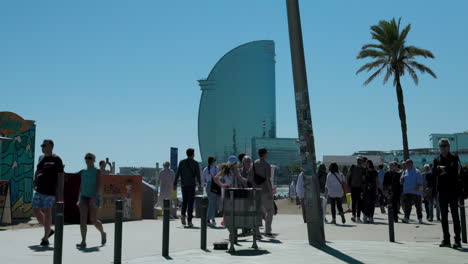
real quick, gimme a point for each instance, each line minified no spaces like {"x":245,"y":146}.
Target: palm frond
{"x":387,"y":75}
{"x":422,"y":68}
{"x":374,"y":46}
{"x":404,"y":32}
{"x":371,"y":53}
{"x":412,"y":73}
{"x":414,"y":51}
{"x":375,"y":74}
{"x":371,"y":65}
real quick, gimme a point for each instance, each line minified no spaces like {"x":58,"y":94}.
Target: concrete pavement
{"x":350,"y":243}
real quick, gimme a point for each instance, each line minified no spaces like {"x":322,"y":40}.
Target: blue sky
{"x":118,"y":78}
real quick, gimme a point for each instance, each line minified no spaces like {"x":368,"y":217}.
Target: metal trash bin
{"x":244,"y":210}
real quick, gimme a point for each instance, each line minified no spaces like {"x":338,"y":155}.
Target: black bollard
{"x":463,"y":220}
{"x":118,"y":232}
{"x":165,"y":238}
{"x":58,"y":240}
{"x":232,"y":236}
{"x":391,"y":221}
{"x":204,"y":209}
{"x":254,"y":244}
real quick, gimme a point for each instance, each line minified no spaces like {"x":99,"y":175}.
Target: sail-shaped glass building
{"x":238,"y":101}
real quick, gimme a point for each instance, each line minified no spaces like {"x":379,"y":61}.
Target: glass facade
{"x":238,"y":101}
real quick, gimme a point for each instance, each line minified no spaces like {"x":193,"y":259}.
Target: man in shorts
{"x":48,"y":185}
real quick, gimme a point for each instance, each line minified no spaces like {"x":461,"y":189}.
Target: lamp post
{"x":312,"y":202}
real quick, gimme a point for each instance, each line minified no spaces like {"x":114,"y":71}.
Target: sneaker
{"x":213,"y":222}
{"x":270,"y":235}
{"x":353,"y":219}
{"x":182,"y":219}
{"x":445,"y":243}
{"x":333,"y":222}
{"x":81,"y":245}
{"x":365,"y":220}
{"x":420,"y":221}
{"x":358,"y":220}
{"x":457,"y":245}
{"x":371,"y":220}
{"x":343,"y":219}
{"x":405,"y":220}
{"x":103,"y":238}
{"x":44,"y":242}
{"x":190,"y":225}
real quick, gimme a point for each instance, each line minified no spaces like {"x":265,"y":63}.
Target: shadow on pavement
{"x":250,"y":252}
{"x":345,"y":225}
{"x":337,"y":254}
{"x":89,"y":249}
{"x":273,"y":241}
{"x":37,"y":248}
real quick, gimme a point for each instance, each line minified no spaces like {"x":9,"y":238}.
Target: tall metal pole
{"x":312,"y":203}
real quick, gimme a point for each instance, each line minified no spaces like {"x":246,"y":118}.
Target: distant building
{"x":458,"y":141}
{"x":420,"y":156}
{"x":149,"y":174}
{"x":238,"y":101}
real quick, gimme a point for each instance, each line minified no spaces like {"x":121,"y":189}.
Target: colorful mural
{"x":17,"y":167}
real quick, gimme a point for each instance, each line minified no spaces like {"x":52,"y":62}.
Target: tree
{"x":393,"y":57}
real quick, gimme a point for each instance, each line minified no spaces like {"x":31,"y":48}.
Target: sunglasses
{"x":88,"y":158}
{"x":43,"y":145}
{"x":443,"y":146}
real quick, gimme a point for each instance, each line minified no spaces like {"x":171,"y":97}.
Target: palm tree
{"x":393,"y":57}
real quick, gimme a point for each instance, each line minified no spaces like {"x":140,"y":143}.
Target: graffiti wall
{"x":4,"y":200}
{"x":17,"y":167}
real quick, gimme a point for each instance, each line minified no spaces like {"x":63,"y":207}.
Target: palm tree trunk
{"x":402,"y":113}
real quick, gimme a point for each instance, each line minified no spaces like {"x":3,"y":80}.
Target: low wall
{"x":127,"y":188}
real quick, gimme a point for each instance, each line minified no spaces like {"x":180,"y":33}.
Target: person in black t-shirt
{"x":445,"y":169}
{"x":392,"y":188}
{"x":48,"y":184}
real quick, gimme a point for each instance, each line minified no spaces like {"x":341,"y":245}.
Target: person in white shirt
{"x":212,"y":190}
{"x":335,"y":191}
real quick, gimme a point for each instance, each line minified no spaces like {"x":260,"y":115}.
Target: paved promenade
{"x":350,"y":243}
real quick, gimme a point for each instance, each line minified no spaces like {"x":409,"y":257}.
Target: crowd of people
{"x":236,"y":172}
{"x":399,"y":187}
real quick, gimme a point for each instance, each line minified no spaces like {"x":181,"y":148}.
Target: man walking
{"x":381,"y":175}
{"x":48,"y":185}
{"x":446,"y":169}
{"x":412,"y":181}
{"x":392,"y":188}
{"x":189,"y":173}
{"x":430,"y":192}
{"x":355,"y":179}
{"x":262,"y":179}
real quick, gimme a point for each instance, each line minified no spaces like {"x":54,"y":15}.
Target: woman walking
{"x":166,"y":184}
{"x":370,"y":192}
{"x":335,"y":190}
{"x":212,"y":190}
{"x":89,"y":200}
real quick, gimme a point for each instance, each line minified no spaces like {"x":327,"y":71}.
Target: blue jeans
{"x":212,"y":202}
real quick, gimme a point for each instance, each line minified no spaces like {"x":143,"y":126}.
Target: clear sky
{"x":119,"y":78}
